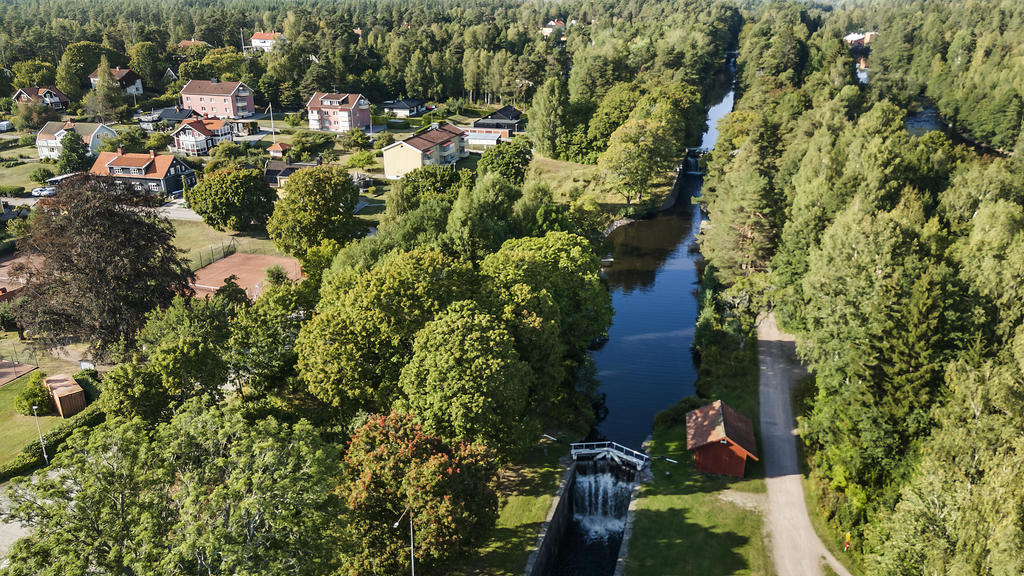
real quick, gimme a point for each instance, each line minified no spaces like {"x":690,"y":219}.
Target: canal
{"x":647,"y":365}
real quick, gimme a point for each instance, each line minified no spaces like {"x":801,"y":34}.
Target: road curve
{"x":796,"y":548}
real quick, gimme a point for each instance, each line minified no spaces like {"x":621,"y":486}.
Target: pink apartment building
{"x":338,"y":112}
{"x":218,"y":99}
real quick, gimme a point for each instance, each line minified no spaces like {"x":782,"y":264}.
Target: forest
{"x":897,"y":262}
{"x":305,"y":431}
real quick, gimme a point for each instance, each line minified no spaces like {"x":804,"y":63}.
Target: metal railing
{"x":639,"y":459}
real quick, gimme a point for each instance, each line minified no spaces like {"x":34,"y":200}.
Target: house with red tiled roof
{"x":442,"y":144}
{"x":278,"y":149}
{"x":338,"y":112}
{"x":265,"y":40}
{"x":195,"y":136}
{"x":721,"y":439}
{"x":157,"y":173}
{"x":218,"y":99}
{"x":185,"y":44}
{"x":48,"y":95}
{"x":130,"y":82}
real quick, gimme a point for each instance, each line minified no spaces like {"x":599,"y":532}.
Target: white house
{"x":265,"y":40}
{"x":48,"y":139}
{"x":130,"y":82}
{"x":197,"y":135}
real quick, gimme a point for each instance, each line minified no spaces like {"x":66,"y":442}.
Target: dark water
{"x":923,"y":121}
{"x":646,"y":365}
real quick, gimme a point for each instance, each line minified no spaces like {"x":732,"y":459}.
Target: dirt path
{"x":796,"y":548}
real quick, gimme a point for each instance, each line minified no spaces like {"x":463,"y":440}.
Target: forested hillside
{"x":897,"y":261}
{"x":966,"y":57}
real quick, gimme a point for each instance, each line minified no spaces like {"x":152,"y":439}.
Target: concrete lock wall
{"x":554,"y":527}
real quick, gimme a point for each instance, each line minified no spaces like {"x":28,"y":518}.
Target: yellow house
{"x":443,"y":144}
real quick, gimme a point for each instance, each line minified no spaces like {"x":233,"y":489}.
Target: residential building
{"x":151,"y":172}
{"x":165,"y":118}
{"x":338,"y":112}
{"x":552,"y":26}
{"x":278,"y":149}
{"x":442,"y":144}
{"x":196,"y":136}
{"x":721,"y":439}
{"x":48,"y":95}
{"x":276,"y":172}
{"x":218,"y":99}
{"x":130,"y":82}
{"x":405,"y":108}
{"x":505,"y":121}
{"x":48,"y":139}
{"x":186,"y":44}
{"x":265,"y":40}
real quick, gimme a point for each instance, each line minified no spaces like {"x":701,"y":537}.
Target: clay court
{"x":251,"y":270}
{"x":12,"y":370}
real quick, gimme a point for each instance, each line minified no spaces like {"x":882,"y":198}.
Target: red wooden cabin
{"x":721,"y":439}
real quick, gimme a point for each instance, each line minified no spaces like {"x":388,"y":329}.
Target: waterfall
{"x":601,"y":499}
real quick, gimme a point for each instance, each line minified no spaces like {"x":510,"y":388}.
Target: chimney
{"x":120,"y":151}
{"x":152,"y":154}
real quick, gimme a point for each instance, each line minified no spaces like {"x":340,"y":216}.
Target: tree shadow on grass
{"x":664,"y":543}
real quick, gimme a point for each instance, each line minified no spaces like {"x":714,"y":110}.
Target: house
{"x":218,"y":99}
{"x":405,"y":108}
{"x":278,"y":149}
{"x":130,"y":82}
{"x":165,"y":118}
{"x":48,"y":95}
{"x":195,"y":136}
{"x":265,"y":40}
{"x":855,"y":39}
{"x":152,"y":172}
{"x":442,"y":144}
{"x":48,"y":140}
{"x":169,"y":76}
{"x":276,"y":172}
{"x":478,"y":141}
{"x":186,"y":44}
{"x":338,"y":112}
{"x":68,"y":396}
{"x":721,"y":439}
{"x":552,"y":26}
{"x":506,"y":121}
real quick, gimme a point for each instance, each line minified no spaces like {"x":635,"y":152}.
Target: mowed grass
{"x":18,"y":430}
{"x":526,"y":491}
{"x":199,"y":241}
{"x":683,"y":526}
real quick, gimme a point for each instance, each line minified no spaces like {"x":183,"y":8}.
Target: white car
{"x":44,"y":191}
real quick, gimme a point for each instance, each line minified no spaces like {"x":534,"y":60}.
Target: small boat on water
{"x":607,"y":262}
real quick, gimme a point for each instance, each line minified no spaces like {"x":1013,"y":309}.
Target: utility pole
{"x":39,"y":430}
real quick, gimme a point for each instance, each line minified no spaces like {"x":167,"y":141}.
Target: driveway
{"x":9,"y":532}
{"x":796,"y":548}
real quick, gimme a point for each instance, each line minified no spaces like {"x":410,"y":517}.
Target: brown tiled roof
{"x":265,"y":36}
{"x":34,"y":92}
{"x":119,"y":73}
{"x":717,"y":422}
{"x":156,"y":165}
{"x":427,"y":140}
{"x":192,"y":42}
{"x":347,"y":100}
{"x":205,"y":87}
{"x":204,"y":126}
{"x":279,"y":146}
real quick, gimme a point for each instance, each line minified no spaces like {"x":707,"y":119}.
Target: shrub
{"x":31,"y":458}
{"x":675,"y":415}
{"x":34,"y":394}
{"x":13,"y":191}
{"x":27,"y":140}
{"x":41,"y":174}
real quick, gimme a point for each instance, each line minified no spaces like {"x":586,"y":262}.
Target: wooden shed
{"x":68,"y":396}
{"x":721,"y":439}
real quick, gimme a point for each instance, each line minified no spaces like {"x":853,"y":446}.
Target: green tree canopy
{"x":318,"y":204}
{"x":509,"y":160}
{"x":238,"y":200}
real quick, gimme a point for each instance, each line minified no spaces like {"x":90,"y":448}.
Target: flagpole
{"x":273,"y":133}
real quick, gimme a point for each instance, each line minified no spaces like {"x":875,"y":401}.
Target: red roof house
{"x":721,"y":439}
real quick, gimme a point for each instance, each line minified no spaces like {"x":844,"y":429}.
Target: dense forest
{"x":296,"y":432}
{"x":897,"y":262}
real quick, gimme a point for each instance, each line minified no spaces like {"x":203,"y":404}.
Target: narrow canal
{"x":647,"y":365}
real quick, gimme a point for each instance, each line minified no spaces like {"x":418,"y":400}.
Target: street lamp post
{"x":412,"y":541}
{"x":40,"y":431}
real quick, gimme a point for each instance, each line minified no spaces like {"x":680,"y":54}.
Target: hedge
{"x":31,"y":458}
{"x":13,"y":191}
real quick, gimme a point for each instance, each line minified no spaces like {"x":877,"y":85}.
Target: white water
{"x":600,"y":502}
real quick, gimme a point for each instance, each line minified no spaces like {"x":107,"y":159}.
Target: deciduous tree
{"x":318,"y":204}
{"x":238,"y":200}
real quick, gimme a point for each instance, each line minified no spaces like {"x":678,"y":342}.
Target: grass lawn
{"x":18,"y":430}
{"x":197,"y":239}
{"x":563,"y":177}
{"x":525,"y":491}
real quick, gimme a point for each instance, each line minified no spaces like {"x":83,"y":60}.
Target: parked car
{"x":44,"y":192}
{"x":6,"y":126}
